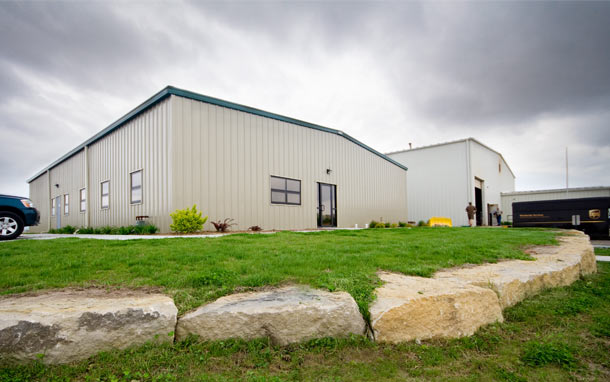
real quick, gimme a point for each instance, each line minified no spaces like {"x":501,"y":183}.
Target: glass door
{"x":327,"y":205}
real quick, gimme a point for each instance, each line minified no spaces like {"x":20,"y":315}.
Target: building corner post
{"x":87,"y":193}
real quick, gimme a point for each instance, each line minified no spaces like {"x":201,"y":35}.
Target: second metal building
{"x":445,"y":177}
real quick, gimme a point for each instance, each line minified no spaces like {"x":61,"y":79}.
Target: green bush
{"x":387,"y":225}
{"x":65,"y":230}
{"x":379,"y":225}
{"x":373,"y":224}
{"x":402,"y":224}
{"x":148,"y":229}
{"x":422,"y":223}
{"x":393,"y":225}
{"x":188,"y":220}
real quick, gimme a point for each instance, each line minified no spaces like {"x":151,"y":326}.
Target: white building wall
{"x":489,"y":167}
{"x":572,"y":193}
{"x":438,"y":182}
{"x":223,"y":159}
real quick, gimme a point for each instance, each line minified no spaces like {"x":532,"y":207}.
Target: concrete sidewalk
{"x":50,"y":236}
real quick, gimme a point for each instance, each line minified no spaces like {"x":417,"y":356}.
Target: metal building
{"x":445,"y":177}
{"x":508,"y":198}
{"x":180,"y":148}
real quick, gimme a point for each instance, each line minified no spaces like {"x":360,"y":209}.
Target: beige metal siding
{"x":142,"y":143}
{"x":69,"y":178}
{"x":223,"y":159}
{"x":39,"y":194}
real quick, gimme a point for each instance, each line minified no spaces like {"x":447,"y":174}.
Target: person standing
{"x":499,"y":216}
{"x":471,"y":211}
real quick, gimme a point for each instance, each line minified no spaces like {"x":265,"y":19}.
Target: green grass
{"x":602,"y":251}
{"x":539,"y":341}
{"x":195,"y":271}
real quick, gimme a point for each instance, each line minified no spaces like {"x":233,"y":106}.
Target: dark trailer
{"x":585,"y":214}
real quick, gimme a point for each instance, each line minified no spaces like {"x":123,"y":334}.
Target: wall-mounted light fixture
{"x":328,"y":171}
{"x":57,"y":185}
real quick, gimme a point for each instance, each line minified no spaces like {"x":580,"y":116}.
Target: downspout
{"x":468,"y":173}
{"x":49,"y":200}
{"x":87,"y":204}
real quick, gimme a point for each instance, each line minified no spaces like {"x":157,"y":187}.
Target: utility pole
{"x":567,"y":182}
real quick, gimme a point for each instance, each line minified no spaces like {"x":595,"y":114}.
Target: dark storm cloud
{"x":517,"y":61}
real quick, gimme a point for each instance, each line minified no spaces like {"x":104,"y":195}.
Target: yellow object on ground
{"x":439,"y":221}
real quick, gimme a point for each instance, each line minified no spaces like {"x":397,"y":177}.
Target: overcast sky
{"x":527,"y":79}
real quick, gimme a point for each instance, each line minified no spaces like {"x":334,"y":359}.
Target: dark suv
{"x":16,"y":213}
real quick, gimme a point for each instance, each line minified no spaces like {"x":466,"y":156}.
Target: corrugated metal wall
{"x":441,"y":182}
{"x":527,"y":196}
{"x":39,"y":194}
{"x":497,"y":178}
{"x":437,"y":181}
{"x":223,"y":159}
{"x":143,"y":143}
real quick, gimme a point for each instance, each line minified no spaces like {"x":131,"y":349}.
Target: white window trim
{"x":102,"y":195}
{"x":66,"y":205}
{"x":141,"y":188}
{"x":80,"y":201}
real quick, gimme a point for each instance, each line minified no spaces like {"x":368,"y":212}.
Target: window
{"x":83,"y":200}
{"x":66,"y":204}
{"x":106,"y":194}
{"x":136,"y":187}
{"x":285,"y":191}
{"x":53,"y":207}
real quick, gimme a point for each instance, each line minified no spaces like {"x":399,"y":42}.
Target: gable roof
{"x":453,"y":142}
{"x":170,"y":90}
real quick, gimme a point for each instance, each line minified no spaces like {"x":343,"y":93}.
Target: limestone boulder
{"x":515,"y":280}
{"x":285,"y":315}
{"x":66,"y":326}
{"x":416,"y":308}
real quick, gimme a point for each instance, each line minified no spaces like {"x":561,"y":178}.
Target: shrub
{"x":387,"y":225}
{"x":255,"y":228}
{"x":393,"y":225}
{"x":188,"y":220}
{"x":379,"y":225}
{"x":402,"y":224}
{"x":373,"y":224}
{"x":148,"y":229}
{"x":422,"y":223}
{"x":224,"y":225}
{"x":65,"y":230}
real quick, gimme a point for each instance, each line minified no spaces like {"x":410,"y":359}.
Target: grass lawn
{"x":195,"y":271}
{"x":561,"y":334}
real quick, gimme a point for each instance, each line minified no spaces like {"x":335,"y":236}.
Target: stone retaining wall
{"x":66,"y":326}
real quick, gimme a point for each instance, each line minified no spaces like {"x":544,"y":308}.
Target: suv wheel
{"x":11,"y":225}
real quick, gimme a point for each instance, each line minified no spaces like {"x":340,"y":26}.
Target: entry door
{"x":327,"y":205}
{"x":58,"y":212}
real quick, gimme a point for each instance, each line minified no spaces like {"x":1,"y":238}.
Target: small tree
{"x":188,"y":220}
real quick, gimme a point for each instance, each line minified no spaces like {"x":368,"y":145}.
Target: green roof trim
{"x":170,"y":90}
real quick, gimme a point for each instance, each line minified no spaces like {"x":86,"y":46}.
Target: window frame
{"x":53,"y":206}
{"x":102,"y":195}
{"x":286,"y":191}
{"x":66,"y":205}
{"x":81,"y":200}
{"x":131,"y":188}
